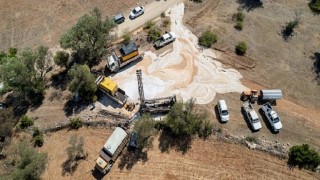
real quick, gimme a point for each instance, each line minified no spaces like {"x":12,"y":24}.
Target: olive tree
{"x":89,"y":37}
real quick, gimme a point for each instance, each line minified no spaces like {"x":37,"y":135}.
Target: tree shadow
{"x":73,"y":107}
{"x":250,"y":5}
{"x":60,"y":80}
{"x":316,"y":66}
{"x":130,"y":158}
{"x":169,"y":141}
{"x":70,"y":166}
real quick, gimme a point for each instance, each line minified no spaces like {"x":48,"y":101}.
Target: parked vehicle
{"x":270,"y":94}
{"x":119,"y":18}
{"x":251,"y":115}
{"x":126,"y":54}
{"x":272,"y":117}
{"x":111,"y":150}
{"x":110,"y":88}
{"x":251,"y":95}
{"x":223,"y":110}
{"x":133,"y":143}
{"x":136,"y":12}
{"x":165,"y":39}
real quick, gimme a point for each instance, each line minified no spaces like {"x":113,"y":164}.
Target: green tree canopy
{"x":145,"y":127}
{"x":83,"y":82}
{"x":89,"y":37}
{"x":29,"y":163}
{"x":61,"y":59}
{"x":304,"y":157}
{"x":20,"y":75}
{"x":207,"y":38}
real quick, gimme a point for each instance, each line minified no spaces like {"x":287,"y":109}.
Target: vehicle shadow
{"x":247,"y":121}
{"x":107,"y":101}
{"x":97,"y":174}
{"x":216,"y":111}
{"x":266,"y":122}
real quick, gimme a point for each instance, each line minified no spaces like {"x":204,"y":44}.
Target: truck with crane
{"x":251,"y":115}
{"x":115,"y":144}
{"x":272,"y":117}
{"x":111,"y":89}
{"x":126,"y":54}
{"x":153,"y":106}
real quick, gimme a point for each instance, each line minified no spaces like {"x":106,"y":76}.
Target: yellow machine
{"x":110,"y":88}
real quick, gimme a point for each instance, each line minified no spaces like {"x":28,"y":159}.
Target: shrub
{"x":315,"y":5}
{"x":126,"y":37}
{"x":289,"y":28}
{"x":154,"y":33}
{"x":148,"y":25}
{"x":25,"y":122}
{"x":304,"y":157}
{"x":38,"y":140}
{"x":94,"y":98}
{"x":166,"y":22}
{"x":61,"y":59}
{"x":145,"y":127}
{"x":241,"y":48}
{"x":163,"y":15}
{"x":75,"y":123}
{"x":239,"y":26}
{"x":207,"y":38}
{"x":251,"y":139}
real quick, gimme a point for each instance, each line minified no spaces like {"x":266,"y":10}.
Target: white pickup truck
{"x":165,"y":39}
{"x":251,"y":115}
{"x":272,"y":117}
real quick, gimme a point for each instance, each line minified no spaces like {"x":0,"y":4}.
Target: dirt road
{"x":152,"y":10}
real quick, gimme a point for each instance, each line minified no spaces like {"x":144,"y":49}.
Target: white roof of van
{"x":114,"y":141}
{"x":223,"y":104}
{"x":253,"y":114}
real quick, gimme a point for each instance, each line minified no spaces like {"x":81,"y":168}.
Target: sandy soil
{"x":205,"y":160}
{"x":199,"y":75}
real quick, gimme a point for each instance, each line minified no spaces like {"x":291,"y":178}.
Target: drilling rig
{"x":153,"y":106}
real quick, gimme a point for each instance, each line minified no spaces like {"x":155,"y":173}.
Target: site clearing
{"x":274,"y":81}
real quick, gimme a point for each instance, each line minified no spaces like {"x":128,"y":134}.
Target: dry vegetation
{"x":221,"y":160}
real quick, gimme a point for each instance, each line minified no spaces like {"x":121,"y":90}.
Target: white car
{"x":136,"y":12}
{"x":223,"y":110}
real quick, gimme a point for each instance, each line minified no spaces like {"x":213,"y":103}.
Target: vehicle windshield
{"x":224,"y":112}
{"x":255,"y":120}
{"x":134,"y":11}
{"x":275,"y":120}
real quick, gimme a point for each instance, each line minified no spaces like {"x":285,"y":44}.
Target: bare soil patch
{"x":28,"y":24}
{"x":211,"y":159}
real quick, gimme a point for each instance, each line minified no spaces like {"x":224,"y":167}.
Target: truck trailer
{"x":111,"y":89}
{"x":111,"y":150}
{"x":125,"y":55}
{"x":270,"y":94}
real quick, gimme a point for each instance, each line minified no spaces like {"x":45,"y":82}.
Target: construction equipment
{"x":272,"y":117}
{"x":111,"y":150}
{"x":128,"y":53}
{"x":251,"y":115}
{"x":158,"y":105}
{"x":110,"y":88}
{"x":270,"y":94}
{"x":251,"y":95}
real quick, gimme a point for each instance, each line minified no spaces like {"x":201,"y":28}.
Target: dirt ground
{"x":271,"y":62}
{"x":211,"y":159}
{"x":31,"y":23}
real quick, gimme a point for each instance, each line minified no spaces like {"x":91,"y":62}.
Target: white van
{"x":223,"y":110}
